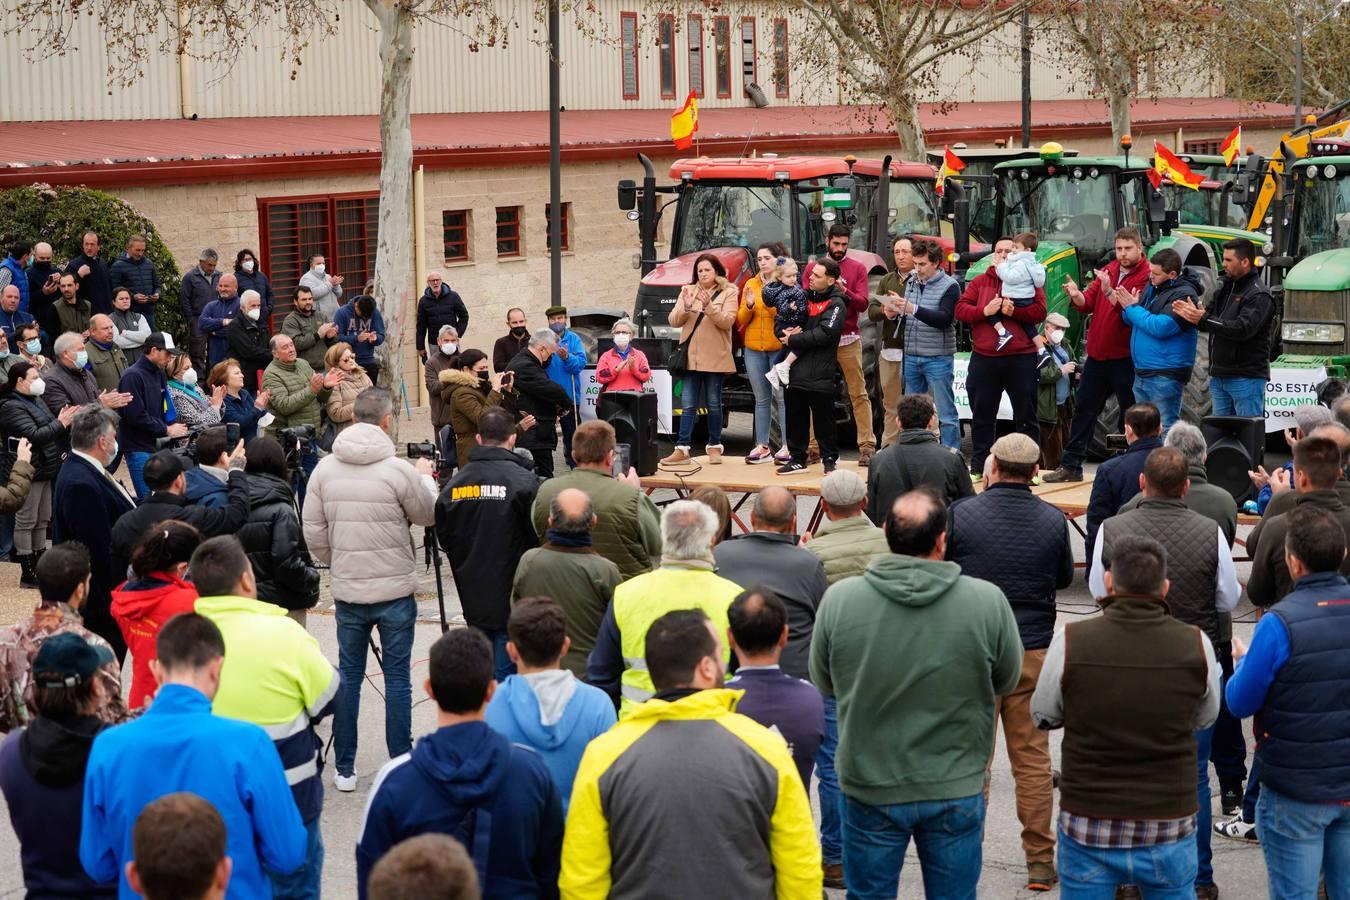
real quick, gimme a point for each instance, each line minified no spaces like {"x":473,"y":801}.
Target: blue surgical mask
{"x":81,"y":359}
{"x":34,"y":347}
{"x":557,"y":327}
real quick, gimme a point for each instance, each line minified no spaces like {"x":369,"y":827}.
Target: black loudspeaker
{"x":633,"y":415}
{"x":1236,"y":445}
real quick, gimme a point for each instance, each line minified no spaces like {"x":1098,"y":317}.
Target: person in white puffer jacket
{"x":359,"y":506}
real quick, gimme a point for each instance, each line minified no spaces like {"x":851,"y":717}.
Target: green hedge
{"x":61,"y":215}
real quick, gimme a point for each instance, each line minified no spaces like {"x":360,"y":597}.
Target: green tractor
{"x":1075,"y":206}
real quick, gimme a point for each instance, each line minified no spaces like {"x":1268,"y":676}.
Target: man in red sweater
{"x":1108,"y":368}
{"x":994,"y":370}
{"x":853,"y":279}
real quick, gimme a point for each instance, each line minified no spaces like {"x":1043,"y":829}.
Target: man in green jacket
{"x":914,"y":652}
{"x":297,"y":391}
{"x":628,"y":527}
{"x":884,"y":308}
{"x":312,"y":331}
{"x":567,"y":569}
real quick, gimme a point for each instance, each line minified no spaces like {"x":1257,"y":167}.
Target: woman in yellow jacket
{"x":762,"y":348}
{"x":705,"y":311}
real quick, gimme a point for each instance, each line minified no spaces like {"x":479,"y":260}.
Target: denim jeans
{"x":1238,"y":396}
{"x":303,"y":883}
{"x":1252,"y":798}
{"x":501,"y":660}
{"x":701,"y":389}
{"x":1302,"y":840}
{"x":136,"y":460}
{"x":6,"y":536}
{"x":395,"y":619}
{"x":1163,"y":392}
{"x":1204,"y":855}
{"x":933,"y":375}
{"x":757,"y":363}
{"x":1162,"y":871}
{"x":831,"y":803}
{"x":947,"y":833}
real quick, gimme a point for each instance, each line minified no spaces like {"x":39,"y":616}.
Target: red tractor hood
{"x":680,"y":270}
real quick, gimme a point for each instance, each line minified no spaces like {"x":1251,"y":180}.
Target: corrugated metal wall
{"x":340,"y":75}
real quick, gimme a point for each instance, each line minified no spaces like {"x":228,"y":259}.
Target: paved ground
{"x":1239,"y":868}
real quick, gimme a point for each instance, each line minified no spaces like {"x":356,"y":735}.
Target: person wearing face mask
{"x":467,"y":388}
{"x":69,"y":380}
{"x":326,"y":289}
{"x":248,"y":339}
{"x":623,"y":367}
{"x":44,"y":279}
{"x":312,"y":331}
{"x":23,"y":415}
{"x":361,"y":326}
{"x":439,"y":360}
{"x":1054,"y":394}
{"x":439,"y":306}
{"x":195,"y":409}
{"x":7,"y":357}
{"x":252,"y":278}
{"x":508,"y":345}
{"x":130,"y":329}
{"x":342,"y":400}
{"x":29,"y":345}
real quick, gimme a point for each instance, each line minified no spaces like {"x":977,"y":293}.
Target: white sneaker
{"x":782,"y":370}
{"x":771,"y":377}
{"x":345,"y":783}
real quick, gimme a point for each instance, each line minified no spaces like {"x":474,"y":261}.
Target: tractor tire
{"x":1197,"y":402}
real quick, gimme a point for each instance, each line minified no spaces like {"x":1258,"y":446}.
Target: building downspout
{"x":420,"y":266}
{"x":185,"y":105}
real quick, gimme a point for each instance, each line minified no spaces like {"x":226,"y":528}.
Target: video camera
{"x":298,"y":442}
{"x":425,"y":450}
{"x":186,"y":446}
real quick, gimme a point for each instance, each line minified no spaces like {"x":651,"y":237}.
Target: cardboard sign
{"x":960,"y":367}
{"x":1287,"y":390}
{"x":660,"y":383}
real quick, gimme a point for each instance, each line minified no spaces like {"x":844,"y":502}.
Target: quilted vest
{"x":1192,"y":555}
{"x":921,"y":339}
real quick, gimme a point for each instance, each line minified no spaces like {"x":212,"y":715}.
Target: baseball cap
{"x":842,"y":487}
{"x":1016,"y":448}
{"x":160,"y":340}
{"x":67,"y":660}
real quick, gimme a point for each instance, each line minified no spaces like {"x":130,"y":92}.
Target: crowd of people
{"x":638,"y":687}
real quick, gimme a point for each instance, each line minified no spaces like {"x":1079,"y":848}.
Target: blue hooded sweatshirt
{"x":554,"y":714}
{"x":206,"y":490}
{"x":492,"y":796}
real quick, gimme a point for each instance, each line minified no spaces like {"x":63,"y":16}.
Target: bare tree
{"x":1127,"y":48}
{"x":888,"y":50}
{"x":1254,"y":47}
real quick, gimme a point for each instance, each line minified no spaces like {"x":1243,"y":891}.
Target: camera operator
{"x":208,"y":481}
{"x":144,"y":419}
{"x":164,"y":475}
{"x":359,"y":506}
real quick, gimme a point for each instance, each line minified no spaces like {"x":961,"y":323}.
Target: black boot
{"x":27,"y":569}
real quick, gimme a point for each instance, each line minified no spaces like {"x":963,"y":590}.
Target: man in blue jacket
{"x":1162,"y":344}
{"x":1117,"y":479}
{"x":216,"y":317}
{"x":135,"y":271}
{"x":150,"y":414}
{"x":565,"y":369}
{"x":544,"y":706}
{"x":1296,"y":680}
{"x":466,"y":780}
{"x":178,"y":745}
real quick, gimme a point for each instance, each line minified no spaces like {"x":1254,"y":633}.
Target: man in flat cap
{"x":565,"y":369}
{"x":1011,"y":537}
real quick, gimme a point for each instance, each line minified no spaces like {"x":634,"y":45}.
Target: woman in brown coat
{"x":467,"y":388}
{"x":355,"y":380}
{"x":705,"y":312}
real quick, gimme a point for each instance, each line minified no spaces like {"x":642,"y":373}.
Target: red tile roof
{"x":111,"y":153}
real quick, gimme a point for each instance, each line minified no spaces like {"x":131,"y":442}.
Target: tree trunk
{"x":394,"y":248}
{"x":1120,"y":114}
{"x":1120,"y":85}
{"x":904,"y":112}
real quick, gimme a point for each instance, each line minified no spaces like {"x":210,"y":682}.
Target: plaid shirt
{"x":1120,"y":834}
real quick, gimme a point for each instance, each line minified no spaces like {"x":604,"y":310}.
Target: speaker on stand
{"x":633,"y":416}
{"x":1235,"y":446}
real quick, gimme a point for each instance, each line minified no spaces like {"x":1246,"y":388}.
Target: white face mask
{"x":449,"y":348}
{"x":189,"y":377}
{"x":1055,"y":335}
{"x":253,"y":313}
{"x":318,"y":270}
{"x":37,"y":387}
{"x":248,"y":265}
{"x":621,"y":341}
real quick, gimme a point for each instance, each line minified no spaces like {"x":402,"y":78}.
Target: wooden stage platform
{"x":742,"y":481}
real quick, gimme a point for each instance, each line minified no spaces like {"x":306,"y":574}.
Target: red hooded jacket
{"x":141,"y":606}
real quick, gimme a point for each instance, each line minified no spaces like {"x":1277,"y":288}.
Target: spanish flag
{"x":684,"y":123}
{"x":1231,"y":146}
{"x":951,"y":165}
{"x":1167,"y":164}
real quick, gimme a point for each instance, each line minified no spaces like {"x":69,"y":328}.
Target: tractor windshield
{"x":732,"y":215}
{"x":913,"y":205}
{"x":1060,"y":207}
{"x":1324,"y":214}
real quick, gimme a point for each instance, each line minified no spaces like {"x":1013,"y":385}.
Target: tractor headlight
{"x":1329,"y":171}
{"x":1026,"y":175}
{"x":1093,"y":173}
{"x":1313,"y":332}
